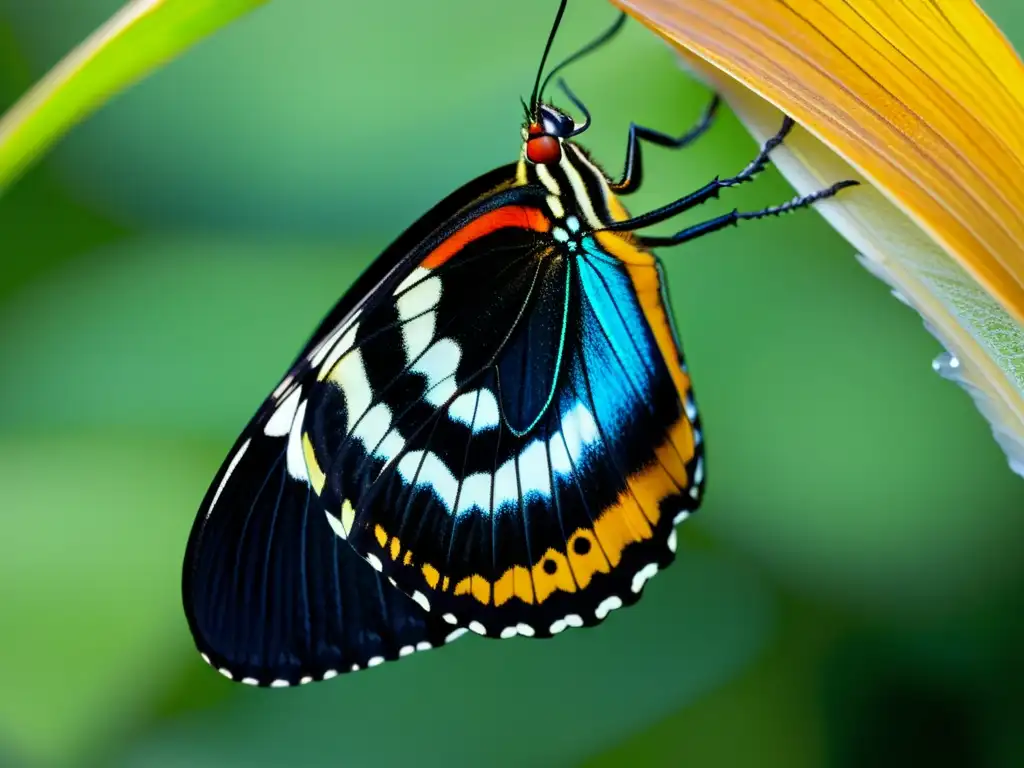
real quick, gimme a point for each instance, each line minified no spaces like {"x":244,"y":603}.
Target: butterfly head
{"x":544,"y":133}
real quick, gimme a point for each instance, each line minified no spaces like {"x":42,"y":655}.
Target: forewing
{"x":272,"y":594}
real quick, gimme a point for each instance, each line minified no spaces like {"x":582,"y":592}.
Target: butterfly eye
{"x":543,"y":150}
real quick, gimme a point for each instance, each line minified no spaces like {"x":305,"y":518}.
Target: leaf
{"x":924,"y":102}
{"x":92,"y":527}
{"x":143,"y":35}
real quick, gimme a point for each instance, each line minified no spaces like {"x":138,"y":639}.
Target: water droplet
{"x":947,"y":365}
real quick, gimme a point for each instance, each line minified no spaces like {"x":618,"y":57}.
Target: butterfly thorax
{"x":577,"y":188}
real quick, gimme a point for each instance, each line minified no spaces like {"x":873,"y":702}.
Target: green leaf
{"x":92,"y":530}
{"x":143,"y":35}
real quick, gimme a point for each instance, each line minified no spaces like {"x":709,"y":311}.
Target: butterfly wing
{"x":272,"y":595}
{"x":508,"y":432}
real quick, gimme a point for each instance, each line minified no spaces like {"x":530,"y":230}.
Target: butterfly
{"x":494,"y":429}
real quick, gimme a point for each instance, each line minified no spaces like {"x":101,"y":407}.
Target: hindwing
{"x":506,"y":429}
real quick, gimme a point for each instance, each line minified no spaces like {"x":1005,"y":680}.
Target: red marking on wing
{"x":508,"y":216}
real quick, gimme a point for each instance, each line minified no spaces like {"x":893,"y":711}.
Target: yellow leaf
{"x":923,"y":101}
{"x":143,"y":35}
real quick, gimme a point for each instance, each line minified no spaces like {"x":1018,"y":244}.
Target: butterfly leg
{"x":708,"y":191}
{"x":735,"y":216}
{"x":633,"y":172}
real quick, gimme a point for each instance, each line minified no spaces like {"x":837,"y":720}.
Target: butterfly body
{"x":492,"y":431}
{"x":507,"y":430}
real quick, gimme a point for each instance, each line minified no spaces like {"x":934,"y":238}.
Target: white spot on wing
{"x":682,"y":515}
{"x":414,"y":307}
{"x":373,"y":560}
{"x":420,"y":598}
{"x":450,"y":618}
{"x":437,"y":364}
{"x":579,"y":430}
{"x":477,"y":627}
{"x":330,"y":673}
{"x":406,"y":650}
{"x":280,"y":684}
{"x":339,"y":349}
{"x":336,"y":525}
{"x":411,"y":279}
{"x":487,"y":415}
{"x":640,"y":577}
{"x":559,"y":457}
{"x":423,"y":645}
{"x":525,"y":630}
{"x":421,"y":297}
{"x":442,"y":392}
{"x":506,"y":489}
{"x":227,"y":474}
{"x":390,"y":446}
{"x":672,"y":541}
{"x":572,"y":620}
{"x":373,"y":426}
{"x":375,"y":661}
{"x":432,"y":472}
{"x":508,"y":632}
{"x":294,"y":457}
{"x":455,"y":634}
{"x":417,"y":334}
{"x":226,"y":673}
{"x":463,"y":407}
{"x":305,"y":680}
{"x":350,"y":376}
{"x":607,"y":605}
{"x":533,"y":470}
{"x":476,"y":493}
{"x":250,"y":681}
{"x":280,"y":422}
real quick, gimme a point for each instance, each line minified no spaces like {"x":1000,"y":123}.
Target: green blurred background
{"x":850,"y":595}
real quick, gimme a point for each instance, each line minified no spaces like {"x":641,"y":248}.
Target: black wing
{"x":507,"y":430}
{"x":273,"y":596}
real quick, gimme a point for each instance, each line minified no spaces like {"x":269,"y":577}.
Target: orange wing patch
{"x":500,"y":218}
{"x":589,"y":551}
{"x":642,"y":268}
{"x":552,"y":573}
{"x":515,"y":582}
